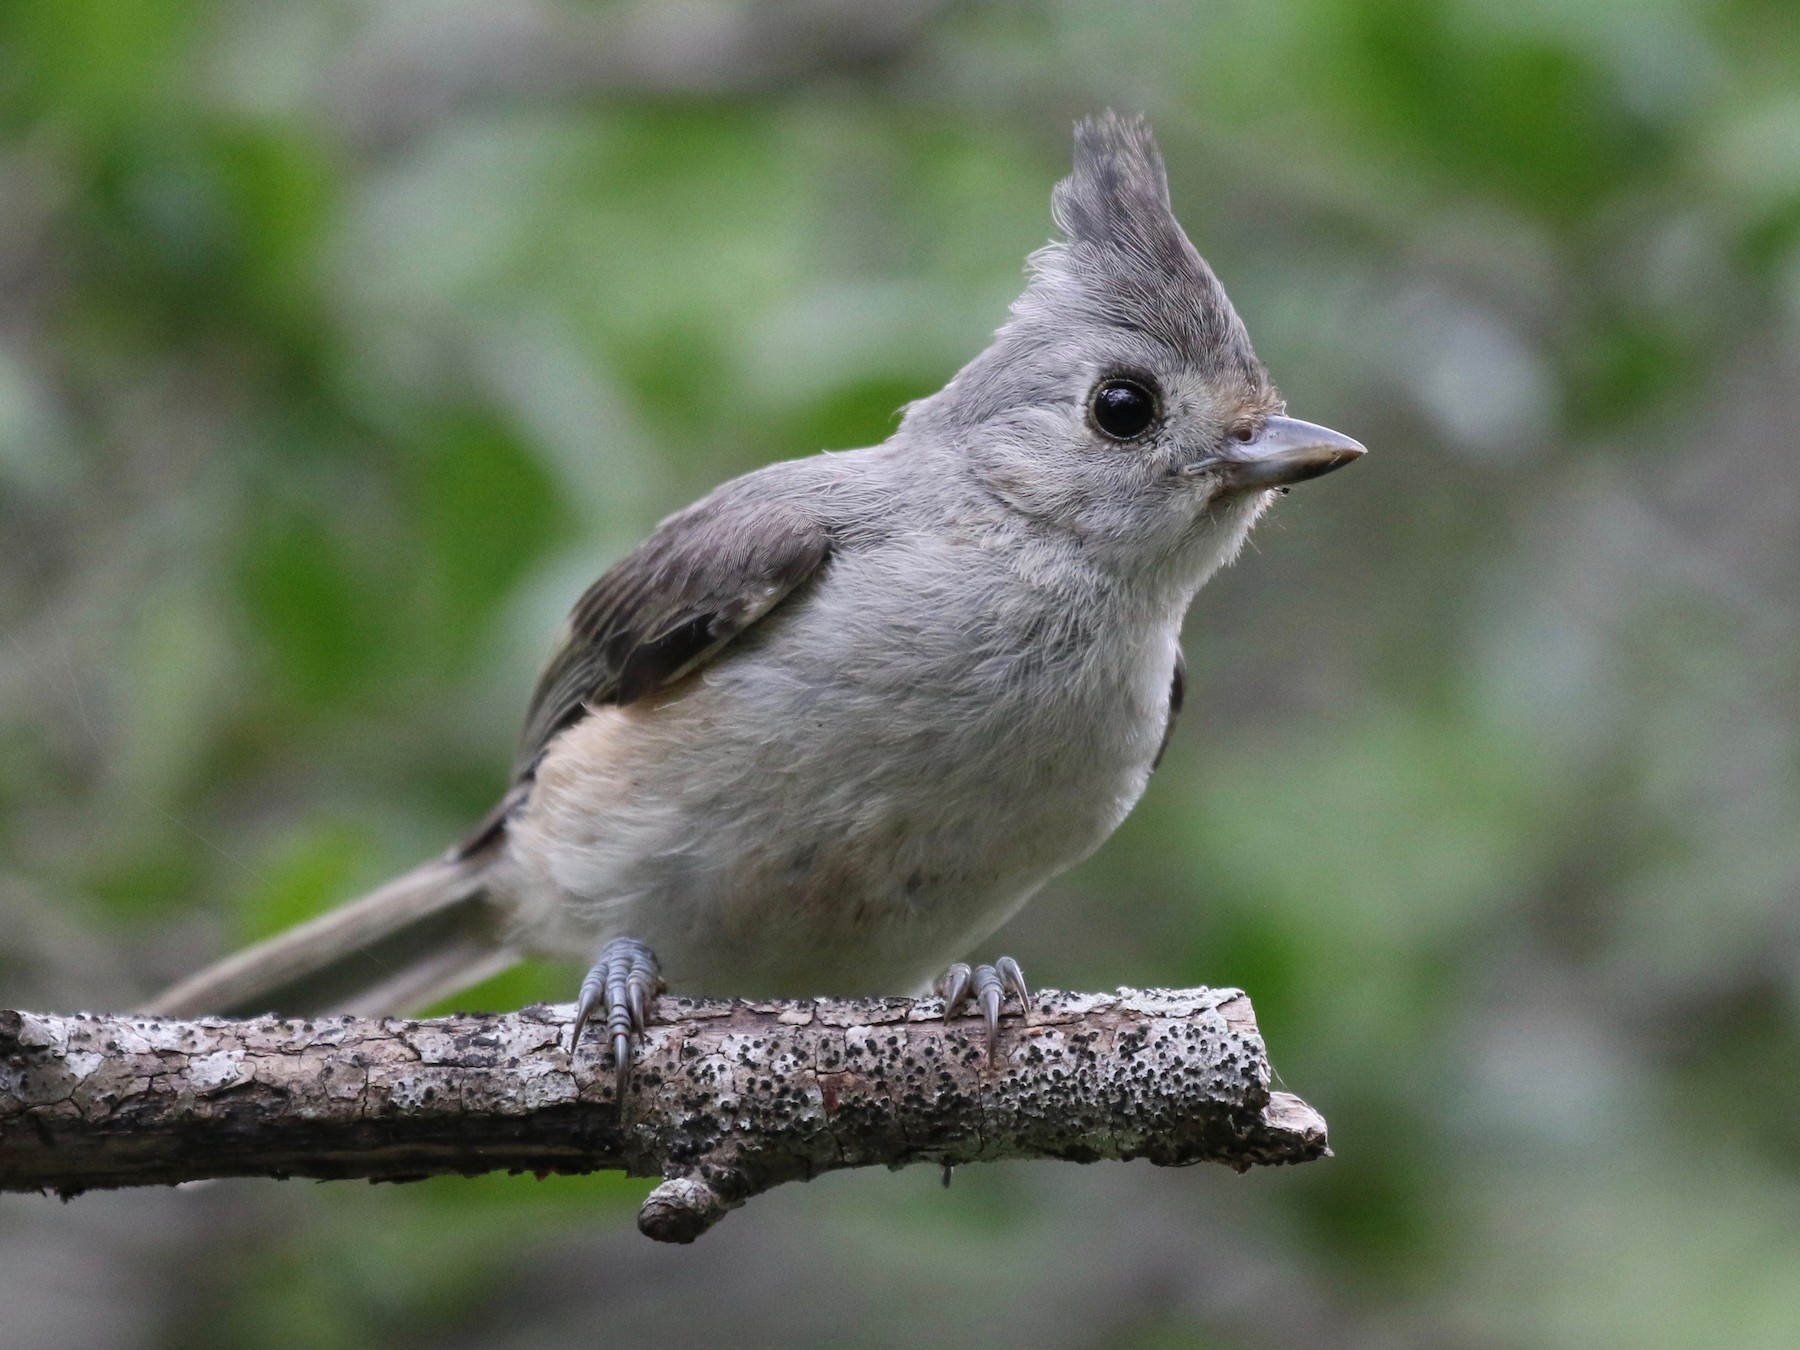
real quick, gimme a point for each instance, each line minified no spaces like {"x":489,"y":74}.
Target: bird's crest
{"x":1126,"y":260}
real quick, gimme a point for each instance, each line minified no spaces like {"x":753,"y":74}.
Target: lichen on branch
{"x":726,"y":1099}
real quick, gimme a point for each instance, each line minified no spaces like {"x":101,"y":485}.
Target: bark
{"x":726,"y":1099}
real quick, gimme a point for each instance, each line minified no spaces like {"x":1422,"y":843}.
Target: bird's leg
{"x":986,"y":987}
{"x":621,"y":984}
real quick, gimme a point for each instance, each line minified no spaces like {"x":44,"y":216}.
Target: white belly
{"x":768,"y":833}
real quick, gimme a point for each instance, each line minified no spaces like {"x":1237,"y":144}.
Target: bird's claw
{"x":621,"y":984}
{"x":986,"y":987}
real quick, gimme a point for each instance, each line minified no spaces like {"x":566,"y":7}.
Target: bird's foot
{"x":986,"y":987}
{"x":621,"y":984}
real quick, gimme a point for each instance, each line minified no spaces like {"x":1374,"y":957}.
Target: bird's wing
{"x":704,"y":577}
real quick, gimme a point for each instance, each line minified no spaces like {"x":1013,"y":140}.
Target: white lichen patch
{"x":221,"y":1069}
{"x":1172,"y":1002}
{"x":150,"y":1036}
{"x":43,"y":1033}
{"x":82,"y":1063}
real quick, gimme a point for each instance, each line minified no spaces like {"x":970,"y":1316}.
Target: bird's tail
{"x":422,"y":937}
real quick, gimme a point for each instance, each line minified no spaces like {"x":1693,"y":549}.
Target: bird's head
{"x":1122,"y":400}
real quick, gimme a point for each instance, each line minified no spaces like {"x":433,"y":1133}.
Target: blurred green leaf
{"x":148,"y":880}
{"x":1375,"y":1207}
{"x":279,"y":189}
{"x":308,"y":872}
{"x":1628,"y":370}
{"x":490,"y":510}
{"x":1503,"y":105}
{"x":312,"y":608}
{"x":97,"y":65}
{"x":863,"y":413}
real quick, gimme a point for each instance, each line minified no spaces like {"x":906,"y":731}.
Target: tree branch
{"x":727,"y":1099}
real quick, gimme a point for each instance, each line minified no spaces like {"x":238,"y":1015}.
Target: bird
{"x":830,"y":726}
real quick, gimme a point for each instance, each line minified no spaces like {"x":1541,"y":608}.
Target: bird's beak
{"x":1285,"y":451}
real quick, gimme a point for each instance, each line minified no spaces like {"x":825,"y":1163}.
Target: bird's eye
{"x":1243,"y":433}
{"x":1122,"y":409}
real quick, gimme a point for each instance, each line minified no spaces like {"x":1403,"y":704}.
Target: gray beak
{"x":1285,"y":451}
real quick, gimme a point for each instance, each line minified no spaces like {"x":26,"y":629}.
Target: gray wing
{"x":661,"y":612}
{"x":705,"y":576}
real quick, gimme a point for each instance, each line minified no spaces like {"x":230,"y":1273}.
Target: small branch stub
{"x":726,"y":1100}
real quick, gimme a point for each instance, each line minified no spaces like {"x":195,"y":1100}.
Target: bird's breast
{"x":874,"y":782}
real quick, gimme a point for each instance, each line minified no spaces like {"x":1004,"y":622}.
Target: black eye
{"x":1123,"y":408}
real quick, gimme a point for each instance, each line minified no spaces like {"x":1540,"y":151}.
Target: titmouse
{"x":830,"y":726}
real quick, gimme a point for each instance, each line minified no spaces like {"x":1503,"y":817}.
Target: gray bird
{"x":830,"y":726}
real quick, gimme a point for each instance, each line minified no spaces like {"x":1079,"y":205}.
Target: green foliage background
{"x":343,"y":342}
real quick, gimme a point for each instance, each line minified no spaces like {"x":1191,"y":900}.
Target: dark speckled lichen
{"x":727,"y":1099}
